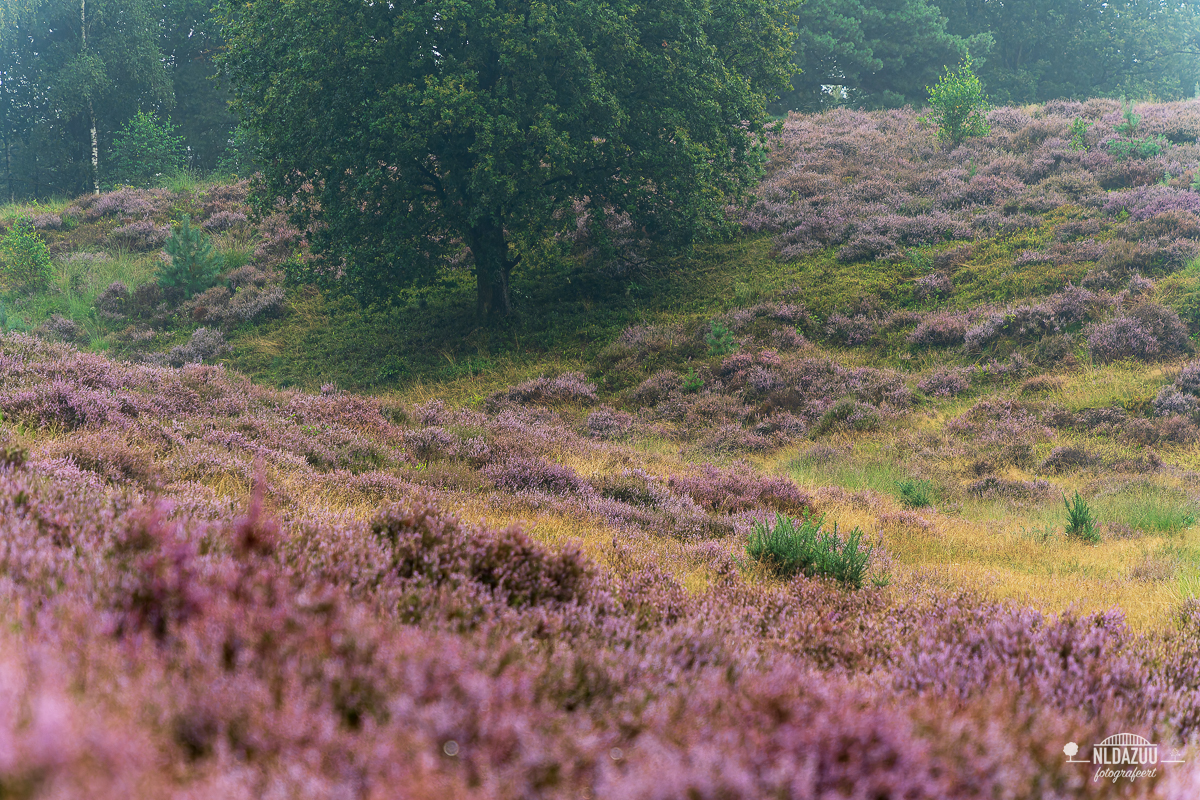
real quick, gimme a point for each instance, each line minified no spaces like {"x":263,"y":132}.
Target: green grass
{"x":850,"y":471}
{"x":1149,"y":507}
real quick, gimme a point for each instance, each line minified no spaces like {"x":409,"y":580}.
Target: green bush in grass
{"x":804,"y":547}
{"x":1081,"y":523}
{"x":25,"y":263}
{"x":915,"y":493}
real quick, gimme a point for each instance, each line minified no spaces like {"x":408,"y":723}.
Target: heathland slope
{"x":519,"y":566}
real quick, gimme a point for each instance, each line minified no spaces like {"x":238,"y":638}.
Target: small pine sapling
{"x":1081,"y":523}
{"x":692,"y":382}
{"x":719,"y":340}
{"x":915,"y":493}
{"x":193,"y":265}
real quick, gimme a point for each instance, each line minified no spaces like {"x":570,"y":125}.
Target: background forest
{"x":67,"y":63}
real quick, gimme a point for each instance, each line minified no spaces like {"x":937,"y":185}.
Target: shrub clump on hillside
{"x":1146,"y":332}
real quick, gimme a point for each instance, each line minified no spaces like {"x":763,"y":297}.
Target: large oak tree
{"x":398,"y":129}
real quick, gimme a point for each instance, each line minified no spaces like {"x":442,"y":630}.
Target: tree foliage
{"x":873,"y":53}
{"x":399,"y":131}
{"x":139,"y":54}
{"x":958,"y":106}
{"x":194,"y":265}
{"x":25,"y":263}
{"x":145,"y":148}
{"x":1043,"y":49}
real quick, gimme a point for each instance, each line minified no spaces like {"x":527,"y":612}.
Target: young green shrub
{"x":692,"y":382}
{"x":1078,"y":131}
{"x":719,"y":340}
{"x":1140,"y":147}
{"x":1081,"y":523}
{"x":915,"y":493}
{"x":958,"y":105}
{"x":144,"y":150}
{"x":25,"y":264}
{"x":193,"y":266}
{"x":803,"y":547}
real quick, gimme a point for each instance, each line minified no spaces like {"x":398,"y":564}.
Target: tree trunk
{"x":12,"y":195}
{"x":95,"y":151}
{"x":492,"y":268}
{"x":91,"y":109}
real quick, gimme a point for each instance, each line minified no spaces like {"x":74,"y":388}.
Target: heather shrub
{"x":629,"y":486}
{"x":848,"y":414}
{"x":520,"y":474}
{"x":427,"y":444}
{"x":1066,"y":459}
{"x":729,"y":492}
{"x":252,"y":303}
{"x":224,"y":220}
{"x":143,"y":234}
{"x":1188,"y":379}
{"x":1178,"y":430}
{"x":145,"y":299}
{"x":608,"y":423}
{"x":991,"y":487}
{"x":945,"y":383}
{"x":570,"y":387}
{"x":205,"y":344}
{"x":841,"y":329}
{"x":940,"y":330}
{"x":428,"y":547}
{"x":112,"y":304}
{"x":658,"y":387}
{"x":1147,"y":331}
{"x":732,"y":439}
{"x":805,"y":547}
{"x":1170,"y":401}
{"x":25,"y":264}
{"x":59,"y":327}
{"x":193,"y":265}
{"x":935,"y":286}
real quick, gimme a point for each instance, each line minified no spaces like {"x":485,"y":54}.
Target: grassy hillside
{"x":936,"y":349}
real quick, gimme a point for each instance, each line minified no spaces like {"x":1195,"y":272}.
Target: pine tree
{"x":194,"y":265}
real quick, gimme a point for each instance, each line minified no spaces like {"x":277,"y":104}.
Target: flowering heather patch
{"x":287,"y":643}
{"x":141,"y":235}
{"x":46,"y":221}
{"x":224,"y":220}
{"x":940,"y":330}
{"x":1148,"y":201}
{"x":872,"y":184}
{"x":1146,"y":331}
{"x":946,"y":383}
{"x":570,"y":387}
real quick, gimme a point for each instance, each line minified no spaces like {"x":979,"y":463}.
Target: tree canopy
{"x":1045,"y":49}
{"x":398,"y":131}
{"x":138,"y":56}
{"x":877,"y":53}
